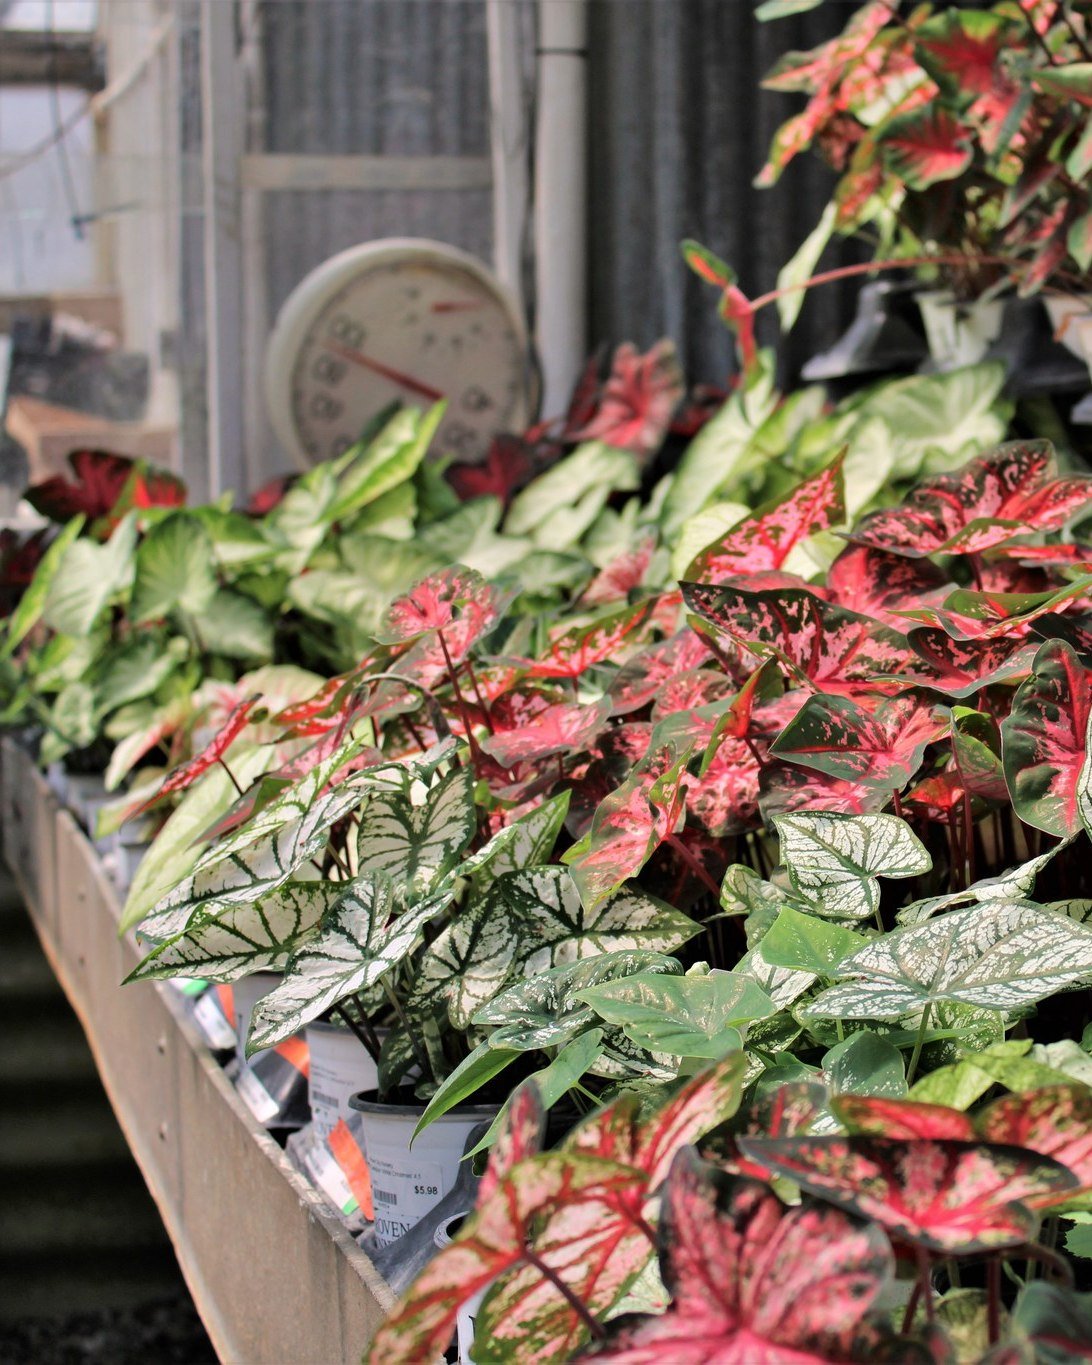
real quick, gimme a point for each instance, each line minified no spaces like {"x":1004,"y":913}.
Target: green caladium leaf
{"x":362,"y":936}
{"x":806,"y":943}
{"x":1000,"y":956}
{"x":88,"y":577}
{"x":865,"y":1064}
{"x":543,"y":1011}
{"x":32,"y":603}
{"x":687,"y":1016}
{"x":783,"y":985}
{"x":744,"y":892}
{"x":263,"y":854}
{"x":467,"y":1079}
{"x":1043,"y":740}
{"x":174,"y":569}
{"x":554,"y":927}
{"x":384,"y":462}
{"x":416,"y":833}
{"x":245,"y":938}
{"x":833,"y":860}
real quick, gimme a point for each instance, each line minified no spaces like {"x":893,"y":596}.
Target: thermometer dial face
{"x":409,"y":321}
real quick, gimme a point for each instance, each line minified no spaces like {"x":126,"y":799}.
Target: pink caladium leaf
{"x":623,"y":575}
{"x":905,"y":1119}
{"x":881,"y":748}
{"x":519,"y":1137}
{"x":1076,"y":631}
{"x":576,"y":650}
{"x":507,"y":466}
{"x":1056,"y":1121}
{"x":494,"y":1240}
{"x":639,"y":680}
{"x":597,"y":1260}
{"x":962,"y":667}
{"x":1043,"y":740}
{"x":457,"y":601}
{"x":874,"y":583}
{"x":1008,"y":492}
{"x":784,"y":789}
{"x":823,"y":646}
{"x":751,"y":1280}
{"x":638,"y":400}
{"x":968,"y":614}
{"x":724,"y":799}
{"x":567,"y":727}
{"x":764,"y":540}
{"x":925,"y":146}
{"x":949,"y":1197}
{"x":735,"y":308}
{"x":632,"y":822}
{"x":961,"y":50}
{"x":213,"y":752}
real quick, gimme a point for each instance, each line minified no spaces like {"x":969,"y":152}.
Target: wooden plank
{"x":273,"y":1273}
{"x":277,"y":171}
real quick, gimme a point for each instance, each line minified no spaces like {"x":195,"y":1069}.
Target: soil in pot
{"x":410,"y":1176}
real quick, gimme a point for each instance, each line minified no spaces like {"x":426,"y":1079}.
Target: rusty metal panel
{"x":274,"y":1275}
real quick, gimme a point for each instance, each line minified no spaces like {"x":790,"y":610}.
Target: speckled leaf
{"x":753,"y":1281}
{"x":554,"y":927}
{"x":1056,"y":1121}
{"x":470,"y":960}
{"x":416,"y":834}
{"x":1043,"y":740}
{"x":881,"y":747}
{"x":999,"y":955}
{"x":950,"y":1197}
{"x":833,"y":649}
{"x":520,"y":1134}
{"x":567,"y":727}
{"x":245,"y":938}
{"x":188,"y":773}
{"x":834,"y":860}
{"x":575,"y":650}
{"x":362,"y":936}
{"x":457,"y":601}
{"x":879,"y":1116}
{"x":962,"y":667}
{"x":765,"y":540}
{"x":524,"y":842}
{"x":783,"y":985}
{"x":1008,"y":492}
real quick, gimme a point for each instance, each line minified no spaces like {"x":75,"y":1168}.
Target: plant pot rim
{"x":368,"y":1102}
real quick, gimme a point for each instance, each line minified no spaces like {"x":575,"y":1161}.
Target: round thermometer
{"x":401,"y":318}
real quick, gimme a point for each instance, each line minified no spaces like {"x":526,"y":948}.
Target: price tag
{"x":255,"y":1096}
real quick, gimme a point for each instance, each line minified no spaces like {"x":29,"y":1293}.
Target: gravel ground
{"x":167,"y":1332}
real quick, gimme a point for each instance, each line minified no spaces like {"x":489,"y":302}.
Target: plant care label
{"x":255,"y":1096}
{"x":208,"y":1015}
{"x":404,"y":1189}
{"x":324,"y":1172}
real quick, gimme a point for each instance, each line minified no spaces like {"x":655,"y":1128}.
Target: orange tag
{"x":296,"y":1053}
{"x":226,"y":996}
{"x":355,"y":1169}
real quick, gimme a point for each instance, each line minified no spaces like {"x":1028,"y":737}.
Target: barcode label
{"x":384,"y":1197}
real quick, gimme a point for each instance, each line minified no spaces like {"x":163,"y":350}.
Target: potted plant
{"x":958,"y":137}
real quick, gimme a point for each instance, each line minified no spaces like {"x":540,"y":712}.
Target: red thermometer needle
{"x":406,"y":381}
{"x":456,"y":306}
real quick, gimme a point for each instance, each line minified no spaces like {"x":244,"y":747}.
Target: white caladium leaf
{"x":523,"y":843}
{"x":470,"y":961}
{"x":246,"y":866}
{"x":1015,"y":884}
{"x":554,"y":927}
{"x":417,"y":832}
{"x":362,"y":936}
{"x":999,"y":955}
{"x":245,"y":938}
{"x":543,"y":1011}
{"x":833,"y":860}
{"x":782,"y":984}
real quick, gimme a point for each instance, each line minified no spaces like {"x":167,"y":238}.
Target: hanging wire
{"x":68,"y":182}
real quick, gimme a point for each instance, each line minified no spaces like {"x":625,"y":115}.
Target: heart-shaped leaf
{"x":416,"y":832}
{"x":833,"y":860}
{"x":882,"y":747}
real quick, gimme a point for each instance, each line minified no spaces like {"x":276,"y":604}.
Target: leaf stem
{"x":231,"y":775}
{"x":695,"y":864}
{"x":351,"y":1022}
{"x":418,"y":1051}
{"x":571,"y":1297}
{"x":911,"y":1070}
{"x":925,"y":1282}
{"x":460,"y":702}
{"x":993,"y":1299}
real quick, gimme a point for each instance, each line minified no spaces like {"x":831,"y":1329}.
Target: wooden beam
{"x":33,"y":58}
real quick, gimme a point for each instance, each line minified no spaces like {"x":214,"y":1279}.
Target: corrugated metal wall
{"x":679,"y":130}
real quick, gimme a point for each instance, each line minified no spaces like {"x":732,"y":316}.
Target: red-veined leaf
{"x":98,"y":482}
{"x":184,"y":776}
{"x":829,"y":648}
{"x":574,"y":651}
{"x":456,"y":601}
{"x":621,"y":576}
{"x":1043,"y":740}
{"x":905,"y":1119}
{"x":507,"y":466}
{"x":925,"y":146}
{"x":881,"y":748}
{"x":960,"y":49}
{"x":753,"y":1281}
{"x":764,"y":540}
{"x":638,"y":400}
{"x":724,"y":799}
{"x":567,"y":727}
{"x":784,"y":789}
{"x":519,"y":1137}
{"x":1008,"y":492}
{"x":950,"y":1197}
{"x":961,"y":667}
{"x":639,"y":680}
{"x":1056,"y":1121}
{"x":874,"y":583}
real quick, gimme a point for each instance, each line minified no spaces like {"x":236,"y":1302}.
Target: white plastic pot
{"x":340,"y":1068}
{"x":959,"y":333}
{"x":246,"y":993}
{"x":408,"y":1181}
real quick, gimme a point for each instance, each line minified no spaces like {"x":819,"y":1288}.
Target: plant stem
{"x":896,"y":803}
{"x":348,"y":1019}
{"x":231,"y":775}
{"x":911,"y":1070}
{"x":695,"y":864}
{"x":418,"y":1051}
{"x":911,"y":1308}
{"x":483,"y":705}
{"x":573,"y":1299}
{"x":460,"y":703}
{"x":925,"y":1280}
{"x":366,"y":1023}
{"x":1052,"y":1260}
{"x":993,"y":1300}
